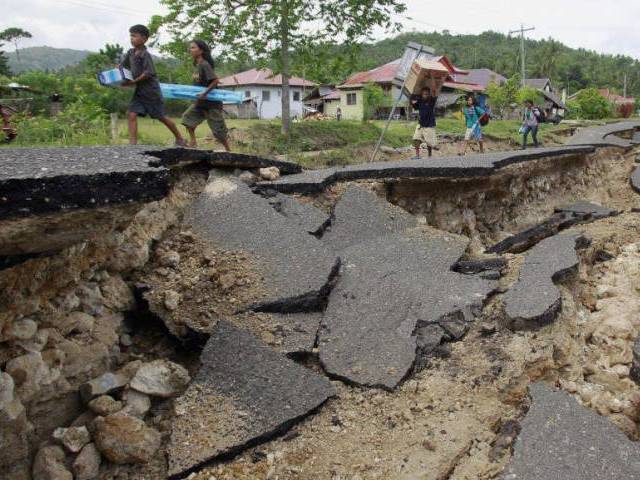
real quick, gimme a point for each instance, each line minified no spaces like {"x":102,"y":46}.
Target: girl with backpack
{"x":475,"y":117}
{"x":530,"y":121}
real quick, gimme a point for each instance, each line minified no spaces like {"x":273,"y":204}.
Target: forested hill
{"x":575,"y":68}
{"x":44,"y":58}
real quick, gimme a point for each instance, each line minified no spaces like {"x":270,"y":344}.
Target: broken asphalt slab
{"x":309,"y":218}
{"x":535,"y":300}
{"x":605,"y":135}
{"x":564,"y":217}
{"x":178,"y":156}
{"x":469,"y":166}
{"x":43,"y":180}
{"x":296,"y":333}
{"x":635,"y":179}
{"x":561,"y":439}
{"x":388,"y":286}
{"x":296,"y":266}
{"x":245,"y":393}
{"x":361,"y":215}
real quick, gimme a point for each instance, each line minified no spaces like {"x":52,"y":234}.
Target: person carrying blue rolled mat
{"x":203,"y":109}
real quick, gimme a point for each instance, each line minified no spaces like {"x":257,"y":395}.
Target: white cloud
{"x":609,"y":27}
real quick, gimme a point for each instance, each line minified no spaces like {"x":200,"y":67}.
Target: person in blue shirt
{"x":472,"y":113}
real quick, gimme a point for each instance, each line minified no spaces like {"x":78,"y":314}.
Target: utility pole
{"x":625,"y":86}
{"x":522,"y":50}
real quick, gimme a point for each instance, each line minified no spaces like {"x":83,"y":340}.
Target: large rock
{"x":105,"y":405}
{"x":388,"y":288}
{"x":72,"y":438}
{"x":296,"y":266}
{"x":244,"y":393}
{"x":86,"y":466}
{"x":30,"y":374}
{"x":49,"y":464}
{"x":535,"y":300}
{"x":560,"y":439}
{"x":137,"y":404}
{"x":123,"y":439}
{"x":160,"y":378}
{"x":14,"y":446}
{"x":103,"y":385}
{"x":360,"y":215}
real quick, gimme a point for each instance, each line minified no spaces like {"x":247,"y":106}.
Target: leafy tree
{"x":373,"y":98}
{"x":14,"y":34}
{"x":529,"y":94}
{"x":268,"y":30}
{"x":503,"y":96}
{"x":112,"y":52}
{"x":104,"y":59}
{"x":547,"y":58}
{"x":590,"y":105}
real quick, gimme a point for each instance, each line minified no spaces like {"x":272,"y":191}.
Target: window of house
{"x":266,"y":96}
{"x":296,"y":96}
{"x":247,"y":94}
{"x":352,"y":99}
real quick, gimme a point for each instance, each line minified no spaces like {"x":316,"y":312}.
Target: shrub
{"x":589,"y":105}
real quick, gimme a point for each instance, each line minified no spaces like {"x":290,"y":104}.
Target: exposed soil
{"x":454,"y":420}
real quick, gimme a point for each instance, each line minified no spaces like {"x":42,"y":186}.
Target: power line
{"x":104,"y":7}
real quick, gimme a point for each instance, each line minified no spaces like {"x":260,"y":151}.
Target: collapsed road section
{"x":227,"y":316}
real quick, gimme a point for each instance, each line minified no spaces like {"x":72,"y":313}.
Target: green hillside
{"x":568,"y":67}
{"x":44,"y":58}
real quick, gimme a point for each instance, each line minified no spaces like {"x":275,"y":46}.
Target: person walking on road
{"x":204,"y":109}
{"x":472,"y":114}
{"x":426,"y":129}
{"x":529,"y":124}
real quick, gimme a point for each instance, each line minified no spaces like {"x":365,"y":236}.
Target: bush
{"x":81,"y":123}
{"x":589,"y":105}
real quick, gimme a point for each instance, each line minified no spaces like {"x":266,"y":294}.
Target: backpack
{"x":484,"y":119}
{"x":539,"y":114}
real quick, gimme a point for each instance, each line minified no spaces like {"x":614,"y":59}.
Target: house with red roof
{"x":262,"y":90}
{"x":352,"y":90}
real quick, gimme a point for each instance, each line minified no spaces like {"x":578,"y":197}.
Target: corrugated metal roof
{"x":538,"y":83}
{"x":382,"y":74}
{"x":483,"y":77}
{"x":262,"y":77}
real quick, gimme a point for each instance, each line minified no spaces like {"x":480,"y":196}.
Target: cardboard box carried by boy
{"x":114,"y":77}
{"x":420,"y":74}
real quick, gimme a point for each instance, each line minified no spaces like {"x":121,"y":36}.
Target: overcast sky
{"x":609,"y":27}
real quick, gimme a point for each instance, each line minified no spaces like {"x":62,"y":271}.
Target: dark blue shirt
{"x":427,"y":111}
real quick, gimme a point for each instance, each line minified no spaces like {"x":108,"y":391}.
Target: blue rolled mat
{"x":190,"y":92}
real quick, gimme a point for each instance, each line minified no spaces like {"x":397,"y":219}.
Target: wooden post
{"x":114,"y":127}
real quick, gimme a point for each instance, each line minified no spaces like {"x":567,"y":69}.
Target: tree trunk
{"x":286,"y":100}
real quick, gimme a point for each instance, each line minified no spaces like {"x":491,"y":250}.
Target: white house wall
{"x":272,"y":108}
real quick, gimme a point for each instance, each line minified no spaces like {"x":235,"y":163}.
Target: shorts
{"x":143,"y":108}
{"x":426,"y":135}
{"x":473,"y":134}
{"x":195,"y":116}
